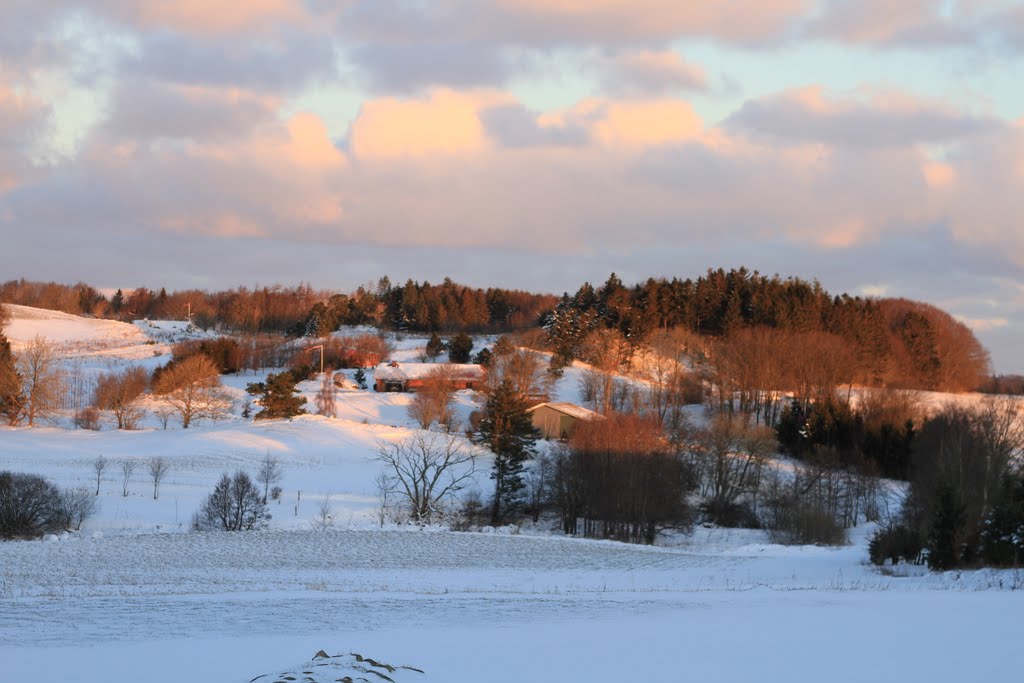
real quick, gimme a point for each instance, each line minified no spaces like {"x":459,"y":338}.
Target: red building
{"x":396,"y":376}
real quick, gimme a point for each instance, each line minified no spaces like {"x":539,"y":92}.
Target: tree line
{"x":299,"y":310}
{"x":876,"y":342}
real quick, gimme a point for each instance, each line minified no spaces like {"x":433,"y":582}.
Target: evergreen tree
{"x":946,"y":532}
{"x":12,"y":399}
{"x":277,"y":396}
{"x":360,"y":378}
{"x":508,"y":431}
{"x":460,"y":347}
{"x":1002,"y":539}
{"x":117,"y":301}
{"x":483,"y":358}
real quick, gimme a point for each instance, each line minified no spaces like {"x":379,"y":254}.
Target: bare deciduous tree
{"x":606,"y":352}
{"x":325,"y":403}
{"x":158,"y":467}
{"x":193,"y":389}
{"x":427,"y":469}
{"x":40,"y":374}
{"x":99,"y":466}
{"x":270,"y":472}
{"x":730,"y":456}
{"x":234,"y":505}
{"x":324,"y":519}
{"x":119,"y":392}
{"x":432,"y":401}
{"x":127,"y":469}
{"x":526,"y":369}
{"x":163,"y":413}
{"x":77,"y":505}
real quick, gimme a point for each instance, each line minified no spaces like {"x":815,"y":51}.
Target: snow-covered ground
{"x":134,"y":596}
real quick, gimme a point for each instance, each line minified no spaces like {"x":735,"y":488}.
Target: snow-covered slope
{"x":63,"y":328}
{"x":135,"y":596}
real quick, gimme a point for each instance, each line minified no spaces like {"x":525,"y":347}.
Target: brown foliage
{"x":192,"y":387}
{"x":41,"y":378}
{"x":119,"y":392}
{"x":620,"y":477}
{"x":432,"y":401}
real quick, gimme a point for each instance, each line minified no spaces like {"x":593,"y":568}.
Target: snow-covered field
{"x":134,"y":596}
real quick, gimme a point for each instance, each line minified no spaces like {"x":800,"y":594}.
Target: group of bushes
{"x":31,"y":506}
{"x":965,"y":505}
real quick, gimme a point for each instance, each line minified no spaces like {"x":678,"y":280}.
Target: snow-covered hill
{"x":135,"y":596}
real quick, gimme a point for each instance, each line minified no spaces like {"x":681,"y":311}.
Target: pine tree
{"x":117,"y":301}
{"x":278,"y":397}
{"x":508,"y":431}
{"x":360,"y":378}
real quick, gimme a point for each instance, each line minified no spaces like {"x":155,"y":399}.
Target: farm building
{"x":396,"y":376}
{"x":557,"y":420}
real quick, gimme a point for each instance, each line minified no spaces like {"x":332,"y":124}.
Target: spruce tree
{"x":946,"y":530}
{"x":277,"y":397}
{"x":508,"y":431}
{"x":12,"y":399}
{"x":460,"y":347}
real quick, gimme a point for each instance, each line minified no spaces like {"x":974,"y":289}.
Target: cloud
{"x":887,"y":22}
{"x":513,"y":125}
{"x":22,"y":121}
{"x":200,"y":17}
{"x":879,"y":119}
{"x":983,"y":324}
{"x":628,"y":21}
{"x":410,"y":67}
{"x":278,"y":178}
{"x":286,"y":62}
{"x":145,"y":111}
{"x":446,"y":123}
{"x":646,"y":72}
{"x":986,"y":200}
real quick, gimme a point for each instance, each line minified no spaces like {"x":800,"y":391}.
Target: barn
{"x":396,"y":376}
{"x":557,"y":420}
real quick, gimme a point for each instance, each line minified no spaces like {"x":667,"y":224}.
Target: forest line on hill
{"x":872,"y":341}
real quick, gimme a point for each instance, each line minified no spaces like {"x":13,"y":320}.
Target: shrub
{"x":88,"y":418}
{"x":803,"y":523}
{"x":895,"y":543}
{"x":77,"y":505}
{"x":234,"y":505}
{"x":732,"y":515}
{"x":30,"y":506}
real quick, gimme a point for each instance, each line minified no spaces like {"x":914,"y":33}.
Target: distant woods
{"x":772,"y":332}
{"x":757,"y":331}
{"x":300,"y":310}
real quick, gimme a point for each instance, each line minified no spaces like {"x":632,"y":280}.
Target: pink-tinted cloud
{"x":21,"y":122}
{"x":985,"y":202}
{"x":203,"y":17}
{"x":446,"y":123}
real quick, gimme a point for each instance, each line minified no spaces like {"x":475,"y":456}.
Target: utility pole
{"x":314,"y":348}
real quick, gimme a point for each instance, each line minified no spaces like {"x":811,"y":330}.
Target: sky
{"x":874,"y":145}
